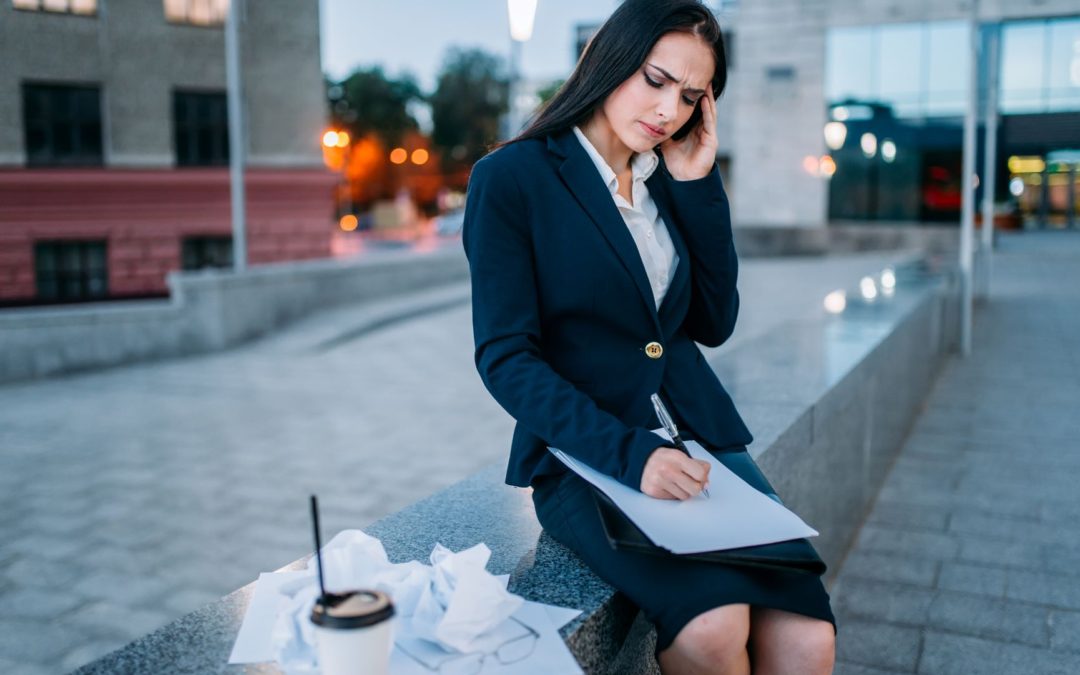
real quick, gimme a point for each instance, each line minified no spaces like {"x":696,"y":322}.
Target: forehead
{"x":686,"y":57}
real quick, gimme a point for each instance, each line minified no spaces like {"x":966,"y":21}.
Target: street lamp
{"x":522,"y":14}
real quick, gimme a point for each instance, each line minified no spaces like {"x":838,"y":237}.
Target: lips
{"x":651,"y":130}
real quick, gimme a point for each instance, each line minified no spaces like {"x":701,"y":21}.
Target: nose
{"x":668,"y":105}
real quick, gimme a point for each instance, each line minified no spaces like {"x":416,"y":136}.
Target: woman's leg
{"x":713,"y":643}
{"x":784,"y":643}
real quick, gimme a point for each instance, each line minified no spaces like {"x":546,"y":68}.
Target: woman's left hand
{"x":693,"y":157}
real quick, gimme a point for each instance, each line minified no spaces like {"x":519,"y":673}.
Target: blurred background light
{"x":827,"y":166}
{"x":348,"y":222}
{"x":835,"y":135}
{"x":888,"y":151}
{"x":868,"y":288}
{"x":888,"y":278}
{"x":868,"y":143}
{"x":1016,"y":186}
{"x":835,"y":302}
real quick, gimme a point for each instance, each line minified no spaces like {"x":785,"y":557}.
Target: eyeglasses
{"x":517,"y":646}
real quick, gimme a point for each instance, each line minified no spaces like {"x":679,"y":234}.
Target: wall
{"x":207,"y":311}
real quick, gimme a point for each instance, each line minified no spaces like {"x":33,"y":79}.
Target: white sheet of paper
{"x":733,"y":516}
{"x":253,"y":640}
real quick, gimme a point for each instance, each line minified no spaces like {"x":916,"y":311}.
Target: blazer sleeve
{"x":701,"y":206}
{"x":508,"y":333}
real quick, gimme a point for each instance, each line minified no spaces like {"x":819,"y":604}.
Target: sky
{"x":412,"y":35}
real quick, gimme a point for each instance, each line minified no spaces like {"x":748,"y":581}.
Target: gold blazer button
{"x":653,"y":350}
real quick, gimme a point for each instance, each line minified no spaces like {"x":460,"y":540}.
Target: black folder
{"x":796,"y":555}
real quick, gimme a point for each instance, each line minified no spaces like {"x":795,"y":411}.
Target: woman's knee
{"x":788,"y":643}
{"x":717,"y":636}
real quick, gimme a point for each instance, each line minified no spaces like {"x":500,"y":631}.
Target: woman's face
{"x":659,"y":98}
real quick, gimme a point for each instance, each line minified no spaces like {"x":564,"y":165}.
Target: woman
{"x":599,"y":242}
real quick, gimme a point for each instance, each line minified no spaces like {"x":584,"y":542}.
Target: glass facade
{"x":897,"y":94}
{"x":1040,"y":68}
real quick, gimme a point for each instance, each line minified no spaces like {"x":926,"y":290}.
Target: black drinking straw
{"x":318,"y":547}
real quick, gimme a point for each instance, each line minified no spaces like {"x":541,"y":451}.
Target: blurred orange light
{"x":342,"y":139}
{"x":810,"y":165}
{"x":399,"y":155}
{"x":330,"y":139}
{"x":348,"y":222}
{"x":420,"y":156}
{"x":827,"y":166}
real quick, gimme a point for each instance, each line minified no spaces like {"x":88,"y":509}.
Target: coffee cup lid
{"x":354,"y":609}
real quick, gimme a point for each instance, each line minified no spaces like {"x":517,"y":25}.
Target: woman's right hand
{"x":670,"y":474}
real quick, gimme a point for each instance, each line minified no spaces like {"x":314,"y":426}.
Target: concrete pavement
{"x":970,"y":560}
{"x":131,"y":496}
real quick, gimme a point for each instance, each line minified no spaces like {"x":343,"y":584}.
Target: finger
{"x":696,"y":469}
{"x":679,"y":487}
{"x":688,"y":485}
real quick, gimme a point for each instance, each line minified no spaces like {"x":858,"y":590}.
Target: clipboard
{"x":796,"y":555}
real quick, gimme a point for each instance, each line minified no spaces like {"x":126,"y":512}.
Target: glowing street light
{"x":522,"y":16}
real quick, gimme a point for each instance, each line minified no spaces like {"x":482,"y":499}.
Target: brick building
{"x":114,"y":143}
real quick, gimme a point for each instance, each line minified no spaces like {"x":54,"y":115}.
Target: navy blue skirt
{"x":669,"y":590}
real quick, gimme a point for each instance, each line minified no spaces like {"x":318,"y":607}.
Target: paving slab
{"x":158,"y":486}
{"x":984,"y":492}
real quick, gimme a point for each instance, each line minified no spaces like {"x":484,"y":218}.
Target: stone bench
{"x":829,"y":400}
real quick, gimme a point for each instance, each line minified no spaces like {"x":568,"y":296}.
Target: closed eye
{"x":658,"y":85}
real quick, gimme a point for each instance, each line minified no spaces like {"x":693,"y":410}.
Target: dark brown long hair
{"x":617,"y":51}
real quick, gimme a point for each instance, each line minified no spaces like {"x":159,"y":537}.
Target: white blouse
{"x":642,"y":218}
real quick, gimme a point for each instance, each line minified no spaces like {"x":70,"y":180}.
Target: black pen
{"x":673,"y":431}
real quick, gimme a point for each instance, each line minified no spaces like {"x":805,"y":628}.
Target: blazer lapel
{"x":579,"y":173}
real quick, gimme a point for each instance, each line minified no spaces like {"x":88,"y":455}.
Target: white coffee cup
{"x":354,"y":632}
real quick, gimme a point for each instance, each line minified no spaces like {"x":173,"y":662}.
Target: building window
{"x":62,"y":125}
{"x":201,"y":128}
{"x":197,"y":12}
{"x":1040,"y":66}
{"x":69,"y":271}
{"x":84,"y":7}
{"x":203,"y":252}
{"x":918,"y":70}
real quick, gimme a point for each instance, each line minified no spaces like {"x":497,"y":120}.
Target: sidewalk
{"x":131,"y":496}
{"x":970,"y":560}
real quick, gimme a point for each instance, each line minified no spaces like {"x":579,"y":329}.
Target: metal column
{"x":967,"y":213}
{"x":237,"y":143}
{"x":989,"y":175}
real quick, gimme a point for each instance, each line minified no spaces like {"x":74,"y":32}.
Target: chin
{"x":638,"y":143}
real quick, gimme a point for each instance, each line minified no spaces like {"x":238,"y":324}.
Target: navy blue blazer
{"x":563,"y":311}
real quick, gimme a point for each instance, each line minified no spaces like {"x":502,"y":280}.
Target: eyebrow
{"x":671,"y":78}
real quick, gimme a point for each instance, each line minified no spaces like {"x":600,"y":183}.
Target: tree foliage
{"x":471,"y":95}
{"x":369,"y":102}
